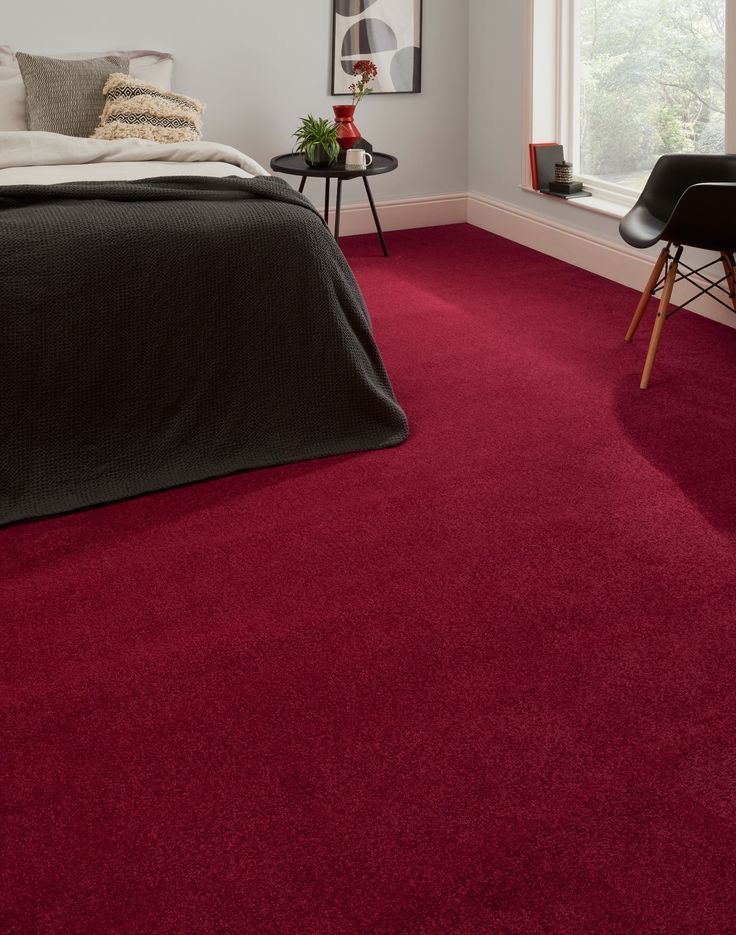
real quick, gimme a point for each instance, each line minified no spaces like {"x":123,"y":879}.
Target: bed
{"x":169,"y":313}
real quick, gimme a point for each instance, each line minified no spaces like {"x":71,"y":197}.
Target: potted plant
{"x":316,"y":138}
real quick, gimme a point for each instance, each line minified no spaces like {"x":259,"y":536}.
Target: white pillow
{"x":12,"y":93}
{"x":12,"y":100}
{"x":151,"y":67}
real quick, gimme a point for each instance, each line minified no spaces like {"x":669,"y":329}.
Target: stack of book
{"x":544,"y":158}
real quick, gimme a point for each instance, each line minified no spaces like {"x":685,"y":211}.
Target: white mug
{"x":357,"y":160}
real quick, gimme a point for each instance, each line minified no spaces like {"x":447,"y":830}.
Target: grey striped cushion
{"x":65,"y":96}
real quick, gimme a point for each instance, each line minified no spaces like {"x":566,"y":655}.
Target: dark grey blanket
{"x":160,"y":332}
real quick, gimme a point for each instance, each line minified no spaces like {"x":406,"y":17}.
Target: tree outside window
{"x":651,"y":80}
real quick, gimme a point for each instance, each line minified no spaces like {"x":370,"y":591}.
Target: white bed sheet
{"x":115,"y":171}
{"x":29,"y":157}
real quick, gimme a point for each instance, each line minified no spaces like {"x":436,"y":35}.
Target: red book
{"x":533,"y":147}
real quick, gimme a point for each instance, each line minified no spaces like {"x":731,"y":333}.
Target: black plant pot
{"x":321,"y":159}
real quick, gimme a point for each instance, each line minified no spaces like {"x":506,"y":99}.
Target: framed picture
{"x":389,"y":33}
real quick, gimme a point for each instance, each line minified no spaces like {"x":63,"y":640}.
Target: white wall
{"x":261,"y":64}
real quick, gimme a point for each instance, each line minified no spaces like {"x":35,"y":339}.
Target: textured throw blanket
{"x":161,"y":332}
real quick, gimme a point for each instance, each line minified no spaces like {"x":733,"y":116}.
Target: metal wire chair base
{"x":711,"y":288}
{"x":667,"y":272}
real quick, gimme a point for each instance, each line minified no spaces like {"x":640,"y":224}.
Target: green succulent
{"x":313,"y":133}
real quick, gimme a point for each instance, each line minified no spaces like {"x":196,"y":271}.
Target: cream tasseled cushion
{"x":134,"y":108}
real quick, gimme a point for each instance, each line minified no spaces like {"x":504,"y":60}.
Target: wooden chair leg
{"x":727,"y":260}
{"x":659,"y":321}
{"x":647,"y":294}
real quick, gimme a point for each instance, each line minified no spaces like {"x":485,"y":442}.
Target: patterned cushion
{"x":66,"y":96}
{"x":135,"y":108}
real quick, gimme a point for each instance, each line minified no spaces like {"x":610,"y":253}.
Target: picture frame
{"x":389,"y":33}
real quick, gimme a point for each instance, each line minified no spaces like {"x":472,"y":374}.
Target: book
{"x":533,"y":147}
{"x":533,"y":160}
{"x":567,"y":197}
{"x":546,"y":156}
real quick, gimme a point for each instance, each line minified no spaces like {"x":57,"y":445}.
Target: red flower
{"x":366,"y":69}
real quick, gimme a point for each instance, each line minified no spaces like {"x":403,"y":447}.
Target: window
{"x":621,"y":82}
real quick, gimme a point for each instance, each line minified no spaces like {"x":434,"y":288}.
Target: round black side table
{"x":296,"y":164}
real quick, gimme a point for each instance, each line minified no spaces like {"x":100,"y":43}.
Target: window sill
{"x":596,"y":204}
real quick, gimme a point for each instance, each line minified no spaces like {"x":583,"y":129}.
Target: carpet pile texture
{"x":481,"y":683}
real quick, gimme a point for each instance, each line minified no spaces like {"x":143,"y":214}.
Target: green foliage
{"x":316,"y":132}
{"x":673,"y":133}
{"x":652,"y":82}
{"x":713,"y":137}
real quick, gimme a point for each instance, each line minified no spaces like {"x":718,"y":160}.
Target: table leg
{"x":303,"y":183}
{"x":375,"y":214}
{"x":327,"y":201}
{"x":337,"y":209}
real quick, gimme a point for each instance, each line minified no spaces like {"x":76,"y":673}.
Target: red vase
{"x":347,"y":133}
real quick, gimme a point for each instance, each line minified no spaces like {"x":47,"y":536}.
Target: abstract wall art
{"x":389,"y":33}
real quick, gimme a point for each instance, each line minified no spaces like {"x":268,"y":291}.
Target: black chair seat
{"x":640,"y":228}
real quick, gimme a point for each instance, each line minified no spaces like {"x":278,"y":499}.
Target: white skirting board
{"x":426,"y":211}
{"x":615,"y":261}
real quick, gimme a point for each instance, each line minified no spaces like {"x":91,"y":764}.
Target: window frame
{"x":552,"y":58}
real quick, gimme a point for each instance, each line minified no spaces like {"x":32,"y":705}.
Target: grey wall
{"x":261,"y":64}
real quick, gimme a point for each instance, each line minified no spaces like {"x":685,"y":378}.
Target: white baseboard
{"x":615,"y":261}
{"x":619,"y":262}
{"x":427,"y":211}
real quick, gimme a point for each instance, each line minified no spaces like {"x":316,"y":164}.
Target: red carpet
{"x":483,"y":683}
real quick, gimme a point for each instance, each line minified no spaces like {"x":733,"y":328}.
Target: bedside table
{"x":296,"y":164}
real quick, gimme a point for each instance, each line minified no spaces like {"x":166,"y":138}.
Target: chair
{"x":688,"y":201}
